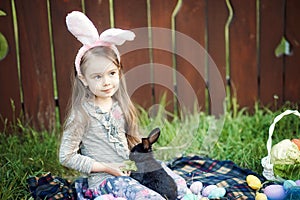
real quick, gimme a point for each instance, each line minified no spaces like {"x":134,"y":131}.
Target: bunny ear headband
{"x":85,"y":31}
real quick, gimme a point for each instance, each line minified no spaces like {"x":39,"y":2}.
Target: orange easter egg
{"x":297,"y":142}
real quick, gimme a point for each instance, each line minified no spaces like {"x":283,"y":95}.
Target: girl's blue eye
{"x":97,"y":77}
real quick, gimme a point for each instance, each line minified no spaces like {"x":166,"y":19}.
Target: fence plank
{"x":9,"y":82}
{"x":243,"y":61}
{"x":98,"y":12}
{"x":65,"y":48}
{"x":190,"y":61}
{"x":292,"y":69}
{"x":217,"y":14}
{"x":132,"y":14}
{"x":250,"y":80}
{"x":35,"y":59}
{"x":270,"y":66}
{"x":161,"y":12}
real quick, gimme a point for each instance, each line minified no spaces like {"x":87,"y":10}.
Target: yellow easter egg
{"x":204,"y":198}
{"x":253,"y":182}
{"x":261,"y":196}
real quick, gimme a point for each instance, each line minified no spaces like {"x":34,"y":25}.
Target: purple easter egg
{"x":275,"y":192}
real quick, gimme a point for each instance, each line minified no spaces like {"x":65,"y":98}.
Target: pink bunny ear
{"x":82,"y":28}
{"x":85,"y":31}
{"x":116,"y":36}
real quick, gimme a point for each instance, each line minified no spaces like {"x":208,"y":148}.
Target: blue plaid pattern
{"x":221,"y":173}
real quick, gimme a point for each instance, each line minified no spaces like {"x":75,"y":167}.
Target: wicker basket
{"x":290,"y":171}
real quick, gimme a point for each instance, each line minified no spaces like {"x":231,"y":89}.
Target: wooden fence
{"x":240,"y":38}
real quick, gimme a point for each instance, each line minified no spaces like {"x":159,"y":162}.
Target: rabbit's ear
{"x":154,"y":135}
{"x":146,"y":144}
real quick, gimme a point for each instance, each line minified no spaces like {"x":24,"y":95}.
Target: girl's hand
{"x":121,"y":172}
{"x":121,"y":167}
{"x":113,"y":169}
{"x":117,"y":172}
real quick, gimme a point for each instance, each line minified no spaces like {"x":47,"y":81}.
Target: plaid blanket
{"x":195,"y":168}
{"x":222,"y":173}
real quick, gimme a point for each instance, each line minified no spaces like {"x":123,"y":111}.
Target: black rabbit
{"x":149,"y":171}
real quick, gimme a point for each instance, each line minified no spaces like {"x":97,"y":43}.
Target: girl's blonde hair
{"x":80,"y":94}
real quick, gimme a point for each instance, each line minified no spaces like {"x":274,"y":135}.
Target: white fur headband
{"x":85,"y":31}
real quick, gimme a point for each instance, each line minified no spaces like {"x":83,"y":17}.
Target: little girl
{"x":101,"y":125}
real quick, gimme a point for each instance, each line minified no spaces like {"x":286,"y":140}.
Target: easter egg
{"x":261,"y":196}
{"x":297,"y":182}
{"x":293,"y":193}
{"x":297,"y":142}
{"x":204,"y":198}
{"x":288,"y":184}
{"x":196,"y":187}
{"x":275,"y":192}
{"x":190,"y":197}
{"x":217,"y":193}
{"x":206,"y":191}
{"x":253,"y":182}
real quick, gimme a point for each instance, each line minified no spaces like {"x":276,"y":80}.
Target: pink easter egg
{"x":297,"y":182}
{"x":207,"y":190}
{"x":196,"y":187}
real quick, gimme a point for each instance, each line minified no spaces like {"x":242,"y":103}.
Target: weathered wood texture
{"x":180,"y":50}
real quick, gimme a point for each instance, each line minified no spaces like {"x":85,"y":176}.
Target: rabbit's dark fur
{"x":149,"y":171}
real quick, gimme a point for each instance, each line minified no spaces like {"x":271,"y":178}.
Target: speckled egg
{"x":217,"y":193}
{"x":206,"y":191}
{"x":253,"y":182}
{"x":196,"y":187}
{"x":275,"y":192}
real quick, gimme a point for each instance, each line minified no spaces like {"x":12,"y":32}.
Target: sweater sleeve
{"x":69,"y":155}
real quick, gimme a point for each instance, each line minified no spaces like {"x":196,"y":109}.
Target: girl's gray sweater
{"x":102,"y":139}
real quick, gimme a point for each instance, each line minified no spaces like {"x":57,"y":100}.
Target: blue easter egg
{"x":217,"y":193}
{"x":293,"y":193}
{"x":190,"y":197}
{"x":288,"y":184}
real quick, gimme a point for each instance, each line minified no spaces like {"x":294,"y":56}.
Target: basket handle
{"x":271,"y":130}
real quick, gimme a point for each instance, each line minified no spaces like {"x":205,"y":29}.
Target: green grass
{"x":242,"y":139}
{"x":26,"y":152}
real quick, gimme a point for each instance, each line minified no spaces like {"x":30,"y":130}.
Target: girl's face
{"x":101,"y":76}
